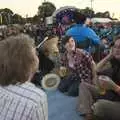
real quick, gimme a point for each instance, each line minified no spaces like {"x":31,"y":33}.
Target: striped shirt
{"x":23,"y":102}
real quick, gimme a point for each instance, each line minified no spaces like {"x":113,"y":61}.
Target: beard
{"x":54,"y":59}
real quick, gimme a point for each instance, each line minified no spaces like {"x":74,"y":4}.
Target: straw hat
{"x":50,"y":81}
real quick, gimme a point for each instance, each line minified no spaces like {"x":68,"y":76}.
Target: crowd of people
{"x":95,"y":83}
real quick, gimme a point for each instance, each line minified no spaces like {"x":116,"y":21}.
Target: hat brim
{"x":50,"y":82}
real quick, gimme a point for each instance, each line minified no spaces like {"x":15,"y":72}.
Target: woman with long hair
{"x":103,"y":100}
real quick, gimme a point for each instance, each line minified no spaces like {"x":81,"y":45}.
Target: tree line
{"x":7,"y":16}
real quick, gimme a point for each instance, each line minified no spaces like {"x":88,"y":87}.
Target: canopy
{"x":101,"y":20}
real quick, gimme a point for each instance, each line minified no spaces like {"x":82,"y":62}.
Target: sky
{"x":30,"y":7}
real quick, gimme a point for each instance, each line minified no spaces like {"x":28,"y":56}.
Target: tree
{"x":6,"y":15}
{"x":6,"y":10}
{"x":36,"y":19}
{"x":17,"y":19}
{"x":107,"y":14}
{"x":46,"y":9}
{"x":99,"y":14}
{"x":88,"y":12}
{"x":103,"y":14}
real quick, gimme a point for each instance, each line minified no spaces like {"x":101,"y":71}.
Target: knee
{"x":99,"y":108}
{"x":82,"y":85}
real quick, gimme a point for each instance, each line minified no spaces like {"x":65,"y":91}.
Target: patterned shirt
{"x":82,"y":64}
{"x":23,"y":102}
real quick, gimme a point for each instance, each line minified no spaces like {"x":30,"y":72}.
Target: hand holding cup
{"x":106,"y":83}
{"x":63,"y":71}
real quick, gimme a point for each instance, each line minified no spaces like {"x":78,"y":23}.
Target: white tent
{"x":101,"y":20}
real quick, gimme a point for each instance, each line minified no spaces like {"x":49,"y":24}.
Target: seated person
{"x":79,"y":64}
{"x":104,"y":104}
{"x":19,"y":98}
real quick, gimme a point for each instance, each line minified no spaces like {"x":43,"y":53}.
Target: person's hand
{"x":63,"y":71}
{"x":106,"y":83}
{"x":110,"y":55}
{"x":117,"y":89}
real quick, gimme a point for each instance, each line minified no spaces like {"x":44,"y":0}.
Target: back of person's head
{"x":88,"y":21}
{"x":79,"y":17}
{"x":17,"y":59}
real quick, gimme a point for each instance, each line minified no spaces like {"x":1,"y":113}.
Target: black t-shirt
{"x":113,"y":72}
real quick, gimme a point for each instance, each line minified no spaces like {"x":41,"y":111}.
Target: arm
{"x":117,"y":89}
{"x":93,"y":36}
{"x":102,"y":64}
{"x":108,"y":84}
{"x":93,"y":66}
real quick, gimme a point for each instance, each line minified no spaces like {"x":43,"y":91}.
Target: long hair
{"x":114,"y":72}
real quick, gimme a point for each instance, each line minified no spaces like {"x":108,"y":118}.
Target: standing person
{"x":82,"y":34}
{"x":19,"y":98}
{"x":105,"y":101}
{"x":80,"y":65}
